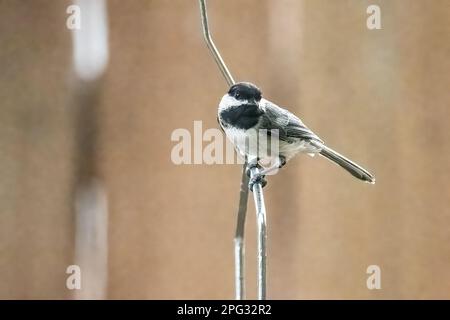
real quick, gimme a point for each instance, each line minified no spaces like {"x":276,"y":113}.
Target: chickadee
{"x":243,"y":110}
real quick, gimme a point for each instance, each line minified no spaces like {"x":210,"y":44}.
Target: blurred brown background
{"x":380,"y":97}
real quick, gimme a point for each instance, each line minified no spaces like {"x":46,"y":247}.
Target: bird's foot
{"x":250,"y":165}
{"x":259,"y":178}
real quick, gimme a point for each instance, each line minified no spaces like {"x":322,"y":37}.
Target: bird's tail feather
{"x":354,"y":169}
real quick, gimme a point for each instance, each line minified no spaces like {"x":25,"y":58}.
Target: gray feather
{"x":353,"y":168}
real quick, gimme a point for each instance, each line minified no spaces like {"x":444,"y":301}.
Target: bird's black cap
{"x":245,"y":91}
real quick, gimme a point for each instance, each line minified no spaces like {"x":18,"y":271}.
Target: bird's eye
{"x":237,"y":95}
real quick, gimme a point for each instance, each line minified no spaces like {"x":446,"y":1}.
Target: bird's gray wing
{"x":288,"y":125}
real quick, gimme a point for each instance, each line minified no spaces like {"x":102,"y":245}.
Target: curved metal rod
{"x":217,"y":57}
{"x":239,"y":243}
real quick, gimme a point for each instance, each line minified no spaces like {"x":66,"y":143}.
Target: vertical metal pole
{"x":262,"y":235}
{"x":239,"y":245}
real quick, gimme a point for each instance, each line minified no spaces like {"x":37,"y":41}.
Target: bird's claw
{"x":250,"y":166}
{"x":259,"y":178}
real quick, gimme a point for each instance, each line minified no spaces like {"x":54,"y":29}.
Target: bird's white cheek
{"x":229,"y":101}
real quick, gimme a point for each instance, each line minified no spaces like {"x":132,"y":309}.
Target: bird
{"x":246,"y":117}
